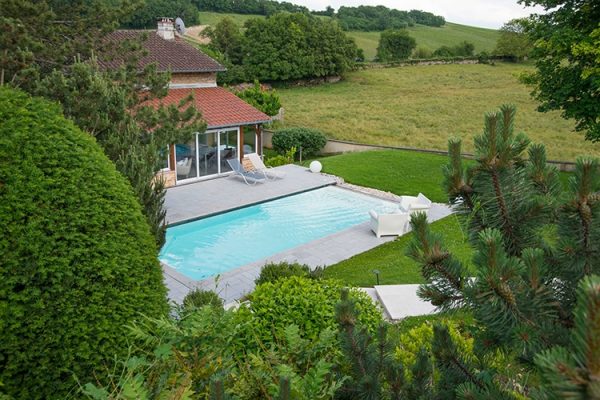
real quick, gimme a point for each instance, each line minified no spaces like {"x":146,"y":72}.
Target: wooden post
{"x":172,"y":157}
{"x":241,"y":144}
{"x":258,"y":139}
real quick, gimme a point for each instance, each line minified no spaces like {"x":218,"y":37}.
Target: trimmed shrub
{"x":198,"y":298}
{"x":274,"y":271}
{"x":308,"y":303}
{"x":78,"y":261}
{"x":310,"y":140}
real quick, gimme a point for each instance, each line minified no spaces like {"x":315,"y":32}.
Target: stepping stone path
{"x":400,"y":301}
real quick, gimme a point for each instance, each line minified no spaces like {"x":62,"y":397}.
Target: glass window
{"x":185,"y":160}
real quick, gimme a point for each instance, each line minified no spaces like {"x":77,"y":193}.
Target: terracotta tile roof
{"x":220,"y":108}
{"x":176,"y":55}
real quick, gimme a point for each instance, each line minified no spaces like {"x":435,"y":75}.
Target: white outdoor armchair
{"x":389,"y":224}
{"x":412,"y":204}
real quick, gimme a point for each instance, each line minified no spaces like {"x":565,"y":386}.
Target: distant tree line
{"x":380,"y":18}
{"x":258,"y":7}
{"x":282,"y":47}
{"x":145,"y":16}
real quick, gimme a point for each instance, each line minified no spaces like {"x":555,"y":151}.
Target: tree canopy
{"x":513,"y":40}
{"x":379,"y":18}
{"x":283,"y":47}
{"x":567,"y":59}
{"x":146,"y":15}
{"x":395,"y":45}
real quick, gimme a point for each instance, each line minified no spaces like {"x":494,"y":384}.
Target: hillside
{"x":426,"y":36}
{"x":432,"y":38}
{"x":423,"y":106}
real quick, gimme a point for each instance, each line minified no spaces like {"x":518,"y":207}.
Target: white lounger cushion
{"x":389,"y":224}
{"x":414,"y":204}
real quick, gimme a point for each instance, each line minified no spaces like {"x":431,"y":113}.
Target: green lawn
{"x":399,"y":172}
{"x":423,"y":106}
{"x":432,"y":38}
{"x":391,"y":261}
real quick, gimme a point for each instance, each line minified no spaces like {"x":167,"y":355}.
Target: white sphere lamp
{"x":315,"y":167}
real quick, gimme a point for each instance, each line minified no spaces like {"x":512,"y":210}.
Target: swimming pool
{"x":213,"y":245}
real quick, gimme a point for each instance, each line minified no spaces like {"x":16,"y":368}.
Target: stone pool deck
{"x":200,"y":199}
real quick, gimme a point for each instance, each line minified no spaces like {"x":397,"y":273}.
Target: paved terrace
{"x":209,"y":197}
{"x":201,"y":199}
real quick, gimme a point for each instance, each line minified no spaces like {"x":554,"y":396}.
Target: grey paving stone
{"x":218,"y":195}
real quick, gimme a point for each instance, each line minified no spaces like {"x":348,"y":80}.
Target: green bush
{"x":266,"y":101}
{"x":308,"y":303}
{"x":395,"y":45}
{"x":198,"y":298}
{"x":311,"y":141}
{"x":274,"y":271}
{"x":279,"y":160}
{"x":78,"y":260}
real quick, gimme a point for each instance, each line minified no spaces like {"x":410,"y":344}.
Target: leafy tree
{"x":266,"y":101}
{"x":380,"y":18}
{"x":395,"y":45}
{"x":513,"y":40}
{"x":463,"y":49}
{"x":146,"y":15}
{"x":296,"y":46}
{"x":259,"y":7}
{"x":566,"y":41}
{"x":523,"y":291}
{"x":78,"y":261}
{"x":226,"y":38}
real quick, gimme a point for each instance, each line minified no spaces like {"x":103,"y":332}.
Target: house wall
{"x":200,"y":77}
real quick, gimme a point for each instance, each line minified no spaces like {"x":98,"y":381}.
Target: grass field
{"x":423,"y":106}
{"x":211,"y":18}
{"x":432,"y":38}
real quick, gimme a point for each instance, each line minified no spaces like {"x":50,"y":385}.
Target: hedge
{"x":78,"y":262}
{"x":311,"y":141}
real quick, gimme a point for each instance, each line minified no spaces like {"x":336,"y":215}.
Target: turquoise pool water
{"x":213,"y":245}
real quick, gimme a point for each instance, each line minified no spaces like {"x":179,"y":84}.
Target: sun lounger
{"x":414,"y":204}
{"x":251,"y":178}
{"x":260,"y":167}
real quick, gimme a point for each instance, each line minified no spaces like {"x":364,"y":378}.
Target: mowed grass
{"x":433,"y":38}
{"x":423,"y":106}
{"x":390,"y":259}
{"x":402,"y":173}
{"x":398,"y":172}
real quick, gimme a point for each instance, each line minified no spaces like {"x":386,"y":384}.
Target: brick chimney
{"x":166,"y":28}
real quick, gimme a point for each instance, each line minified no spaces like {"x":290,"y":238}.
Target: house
{"x":233,"y":126}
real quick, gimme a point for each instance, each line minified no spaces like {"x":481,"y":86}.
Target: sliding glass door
{"x":228,"y":148}
{"x":206,"y":155}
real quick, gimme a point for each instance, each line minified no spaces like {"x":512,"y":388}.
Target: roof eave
{"x":191,"y":71}
{"x":238,"y":124}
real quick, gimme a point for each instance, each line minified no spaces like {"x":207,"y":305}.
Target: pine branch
{"x":445,"y":274}
{"x":575,"y":372}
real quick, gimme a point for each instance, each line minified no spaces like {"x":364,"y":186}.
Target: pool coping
{"x":234,"y":284}
{"x":193,"y":219}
